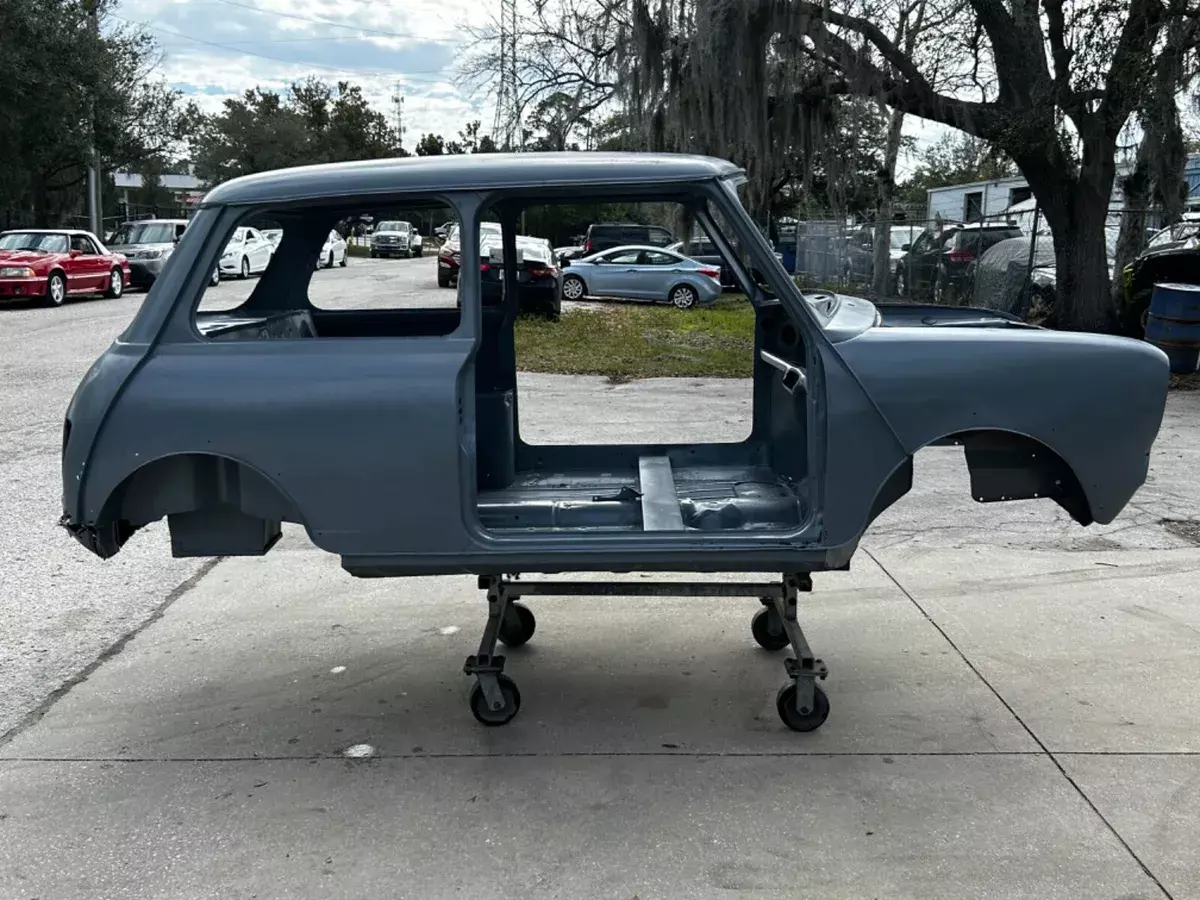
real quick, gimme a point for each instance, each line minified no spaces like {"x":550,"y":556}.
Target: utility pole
{"x":94,"y":204}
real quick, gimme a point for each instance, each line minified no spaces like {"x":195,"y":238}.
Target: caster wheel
{"x":484,"y":714}
{"x":785,"y":704}
{"x":768,"y":630}
{"x":518,"y":626}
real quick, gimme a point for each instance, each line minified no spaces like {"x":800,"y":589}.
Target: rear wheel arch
{"x":196,"y":485}
{"x":683,"y":284}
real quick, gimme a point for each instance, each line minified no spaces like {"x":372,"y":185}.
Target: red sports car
{"x":51,"y":265}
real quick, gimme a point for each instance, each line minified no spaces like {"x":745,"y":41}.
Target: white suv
{"x":395,"y":239}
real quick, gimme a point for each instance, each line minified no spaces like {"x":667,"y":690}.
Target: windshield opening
{"x":1183,"y":231}
{"x":41,"y":243}
{"x":149,"y":233}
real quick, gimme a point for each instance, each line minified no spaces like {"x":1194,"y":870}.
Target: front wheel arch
{"x":1003,"y":465}
{"x":62,"y":276}
{"x":575,"y":277}
{"x":116,"y":283}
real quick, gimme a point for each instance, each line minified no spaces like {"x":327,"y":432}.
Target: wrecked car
{"x":391,"y":436}
{"x":1171,"y":255}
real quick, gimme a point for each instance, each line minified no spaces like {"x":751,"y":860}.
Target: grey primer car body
{"x":391,"y":436}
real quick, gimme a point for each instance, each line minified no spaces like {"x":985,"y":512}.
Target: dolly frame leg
{"x":804,"y":669}
{"x":486,"y":665}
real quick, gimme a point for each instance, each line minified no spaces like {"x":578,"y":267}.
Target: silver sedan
{"x":642,"y":273}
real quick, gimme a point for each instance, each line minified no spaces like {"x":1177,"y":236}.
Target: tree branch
{"x":1056,"y":34}
{"x":1132,"y":62}
{"x":868,"y":30}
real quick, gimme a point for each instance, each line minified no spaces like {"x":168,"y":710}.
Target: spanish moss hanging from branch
{"x":719,"y":77}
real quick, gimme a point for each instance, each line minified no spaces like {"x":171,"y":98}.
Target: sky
{"x":216,"y":49}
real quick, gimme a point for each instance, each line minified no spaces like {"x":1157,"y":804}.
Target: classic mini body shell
{"x":373,"y":430}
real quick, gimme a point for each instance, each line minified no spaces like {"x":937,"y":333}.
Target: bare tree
{"x":1050,"y":82}
{"x":564,"y":49}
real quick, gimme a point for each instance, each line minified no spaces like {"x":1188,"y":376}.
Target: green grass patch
{"x":626,"y":342}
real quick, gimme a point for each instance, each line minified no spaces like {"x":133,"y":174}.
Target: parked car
{"x":643,"y":273}
{"x":395,"y":239}
{"x":51,"y":265}
{"x":703,"y":250}
{"x":1003,"y":277}
{"x":274,"y":235}
{"x":539,"y":283}
{"x":334,"y":250}
{"x":393,"y":440}
{"x":450,"y":254}
{"x":564,"y":255}
{"x":246,"y":254}
{"x":606,"y":235}
{"x":860,"y":252}
{"x":936,"y":264}
{"x":1172,"y":255}
{"x":147,"y":244}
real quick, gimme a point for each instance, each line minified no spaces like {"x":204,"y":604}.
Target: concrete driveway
{"x":1014,"y":705}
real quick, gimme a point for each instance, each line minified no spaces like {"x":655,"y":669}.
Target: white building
{"x":980,"y":199}
{"x":185,"y":188}
{"x":976,"y":200}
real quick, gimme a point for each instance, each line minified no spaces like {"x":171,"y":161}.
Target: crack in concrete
{"x":608,"y":754}
{"x":1046,"y":751}
{"x":35,"y":715}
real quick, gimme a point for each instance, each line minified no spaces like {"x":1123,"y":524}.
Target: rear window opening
{"x":317,"y":272}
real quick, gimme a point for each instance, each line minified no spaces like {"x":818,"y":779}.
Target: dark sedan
{"x":937,"y":264}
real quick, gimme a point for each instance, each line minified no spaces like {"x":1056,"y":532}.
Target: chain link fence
{"x":1004,"y":262}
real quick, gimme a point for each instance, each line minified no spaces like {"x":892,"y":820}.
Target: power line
{"x":328,"y":24}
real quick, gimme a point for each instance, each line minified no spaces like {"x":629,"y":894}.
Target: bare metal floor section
{"x":707,"y":498}
{"x":660,"y":502}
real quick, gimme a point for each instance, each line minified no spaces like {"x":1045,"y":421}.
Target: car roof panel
{"x":479,"y":171}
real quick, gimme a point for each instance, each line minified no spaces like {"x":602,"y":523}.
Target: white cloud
{"x":217,"y":49}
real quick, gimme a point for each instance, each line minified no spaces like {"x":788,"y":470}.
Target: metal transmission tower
{"x":507,"y":125}
{"x":398,"y":112}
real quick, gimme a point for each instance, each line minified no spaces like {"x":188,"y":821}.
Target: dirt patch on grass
{"x":625,"y":342}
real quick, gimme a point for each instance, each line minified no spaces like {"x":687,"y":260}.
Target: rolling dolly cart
{"x":495,"y":699}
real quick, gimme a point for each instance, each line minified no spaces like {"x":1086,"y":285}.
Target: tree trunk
{"x":1076,"y":210}
{"x":1136,"y":190}
{"x":881,"y":263}
{"x":1083,"y":301}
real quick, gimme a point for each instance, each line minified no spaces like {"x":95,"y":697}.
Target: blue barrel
{"x":788,"y":251}
{"x":1173,"y":324}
